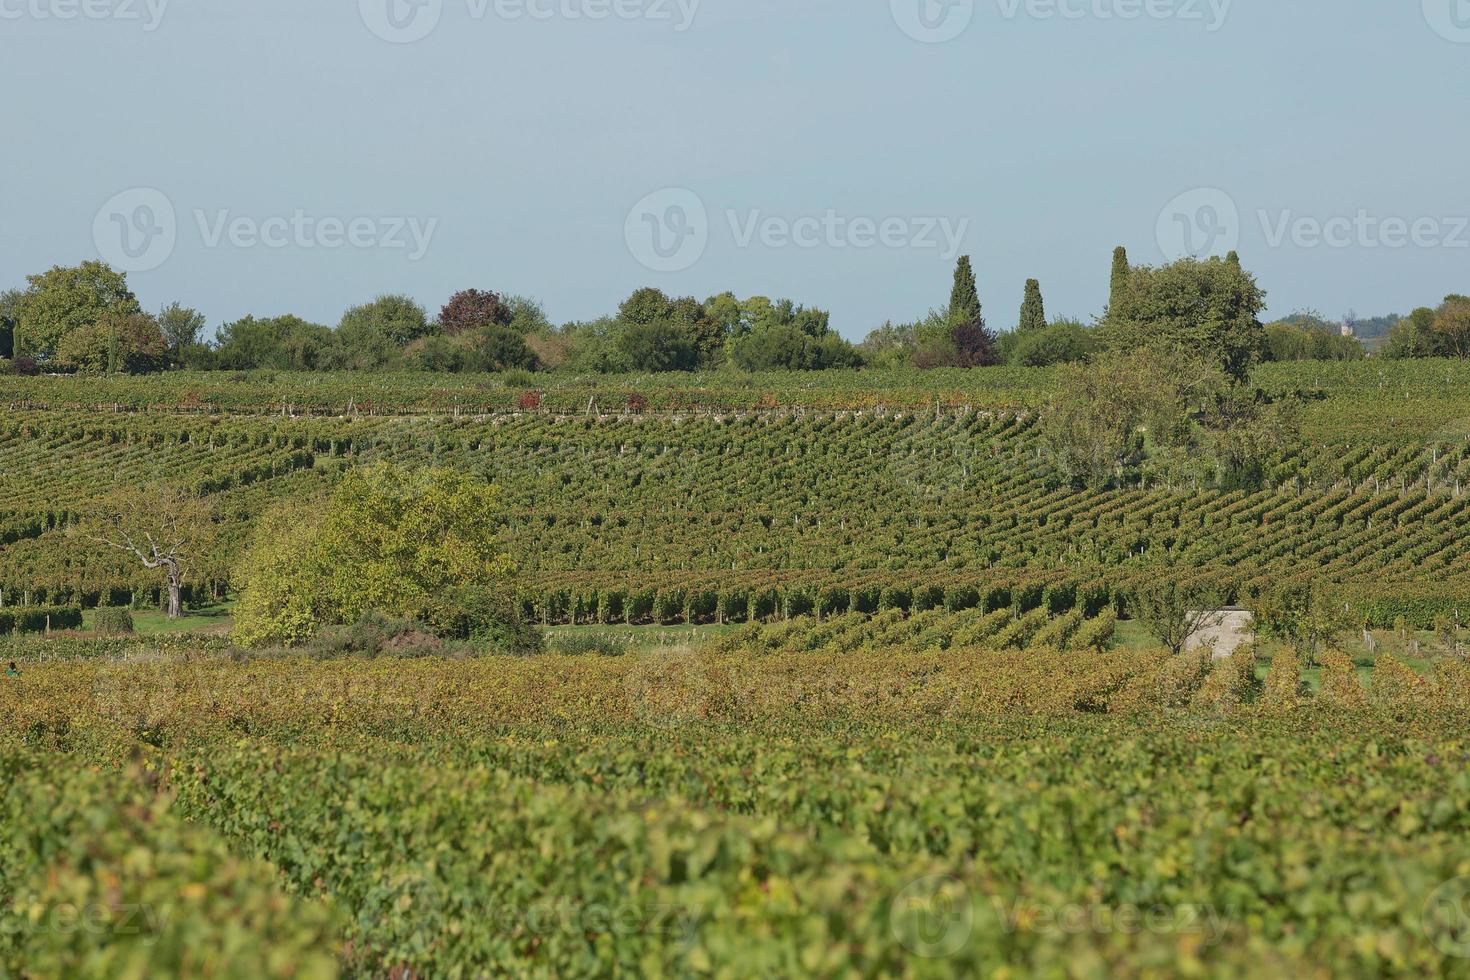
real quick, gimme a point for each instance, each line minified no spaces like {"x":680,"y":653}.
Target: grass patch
{"x":154,"y":622}
{"x":619,"y":640}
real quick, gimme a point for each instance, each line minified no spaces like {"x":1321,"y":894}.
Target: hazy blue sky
{"x":519,"y":148}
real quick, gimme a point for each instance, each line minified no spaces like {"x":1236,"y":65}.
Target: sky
{"x":303,"y":156}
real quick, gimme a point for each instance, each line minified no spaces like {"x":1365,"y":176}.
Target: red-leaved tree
{"x":472,"y":309}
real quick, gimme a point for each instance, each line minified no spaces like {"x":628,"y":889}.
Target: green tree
{"x":658,"y":345}
{"x":890,"y":346}
{"x":725,"y":310}
{"x":645,"y":306}
{"x":398,"y":319}
{"x":1244,"y":430}
{"x":772,"y":347}
{"x":964,"y":297}
{"x":410,"y":544}
{"x":527,"y":316}
{"x":1452,"y":325}
{"x":1208,"y":309}
{"x":116,"y":344}
{"x":1119,"y":276}
{"x":1063,"y":342}
{"x":1033,"y":311}
{"x":1174,"y":612}
{"x":373,"y":335}
{"x":181,"y":328}
{"x":9,"y":317}
{"x":284,"y":343}
{"x":1307,"y":336}
{"x":499,"y":349}
{"x":1303,"y":615}
{"x":66,"y":298}
{"x":1414,"y":336}
{"x":707,"y":332}
{"x":1105,"y":419}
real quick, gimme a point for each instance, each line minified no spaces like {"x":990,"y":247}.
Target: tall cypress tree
{"x":964,"y":298}
{"x":1233,"y":258}
{"x":1033,"y":311}
{"x":1120,"y":276}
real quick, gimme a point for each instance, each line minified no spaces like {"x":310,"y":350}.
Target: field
{"x":840,"y":679}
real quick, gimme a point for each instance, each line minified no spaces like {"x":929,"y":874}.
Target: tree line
{"x":85,"y":319}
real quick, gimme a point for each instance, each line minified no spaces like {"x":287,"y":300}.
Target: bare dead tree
{"x":164,"y":528}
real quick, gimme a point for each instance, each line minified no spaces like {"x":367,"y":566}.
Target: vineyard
{"x":730,"y":501}
{"x":882,"y":704}
{"x":796,"y":801}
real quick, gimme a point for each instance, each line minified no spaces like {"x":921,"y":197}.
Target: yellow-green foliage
{"x":418,"y":545}
{"x":279,"y":596}
{"x":1396,"y":688}
{"x":816,"y":814}
{"x":1170,"y":683}
{"x":1283,"y":681}
{"x":1097,"y":633}
{"x":1340,"y":687}
{"x":1231,"y":682}
{"x":100,"y":878}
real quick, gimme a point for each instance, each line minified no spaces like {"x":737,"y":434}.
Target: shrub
{"x":113,"y":621}
{"x":38,"y":619}
{"x":580,"y":644}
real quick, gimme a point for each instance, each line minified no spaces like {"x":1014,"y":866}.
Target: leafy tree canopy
{"x":66,"y":298}
{"x":1207,"y":309}
{"x":417,"y":544}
